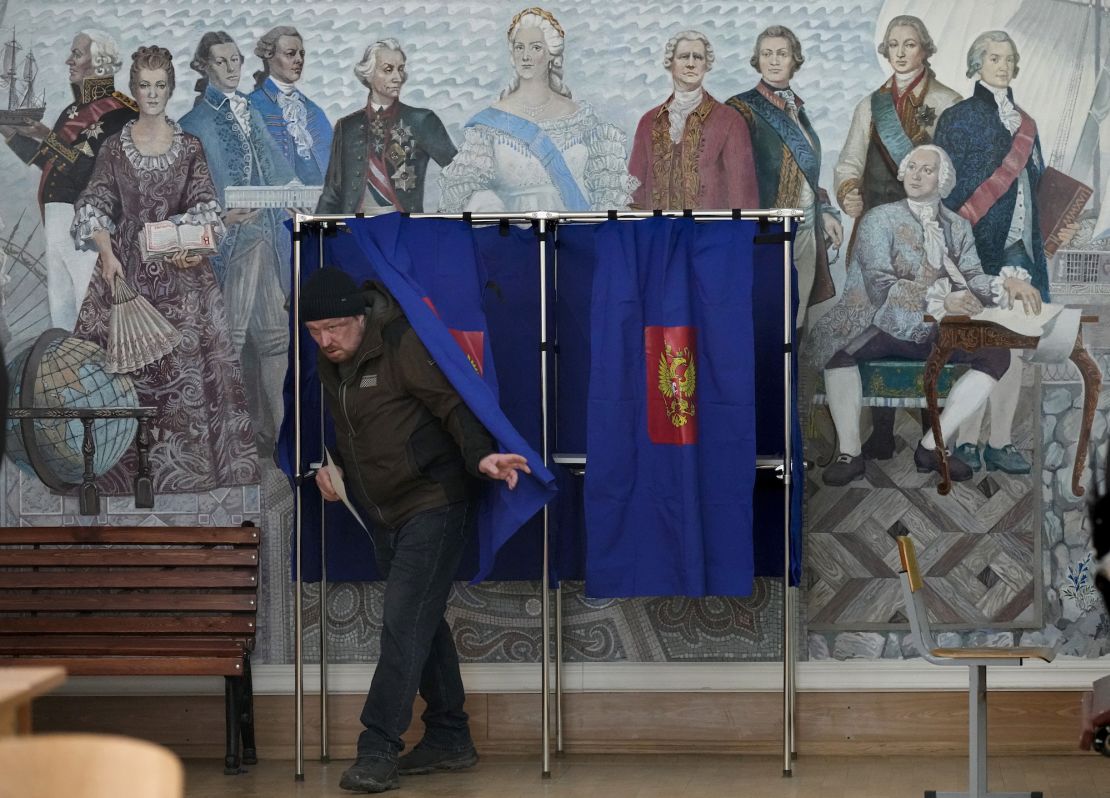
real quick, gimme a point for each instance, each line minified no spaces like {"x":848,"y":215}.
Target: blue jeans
{"x":419,"y":561}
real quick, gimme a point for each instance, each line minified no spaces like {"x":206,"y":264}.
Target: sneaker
{"x":846,"y":469}
{"x":969,"y":453}
{"x":370,"y":774}
{"x":1007,"y":459}
{"x":424,"y":759}
{"x":926,"y":461}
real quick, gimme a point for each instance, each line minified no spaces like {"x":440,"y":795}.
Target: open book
{"x":163,"y":239}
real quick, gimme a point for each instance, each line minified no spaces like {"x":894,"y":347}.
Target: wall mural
{"x":949,"y":157}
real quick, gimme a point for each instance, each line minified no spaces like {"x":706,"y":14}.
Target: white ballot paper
{"x":339,"y":486}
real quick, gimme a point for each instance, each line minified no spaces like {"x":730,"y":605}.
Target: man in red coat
{"x":690,"y":152}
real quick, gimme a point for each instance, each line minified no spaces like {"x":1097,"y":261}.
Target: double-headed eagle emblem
{"x":677,"y":381}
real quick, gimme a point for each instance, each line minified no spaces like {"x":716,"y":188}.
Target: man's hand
{"x":239,"y":215}
{"x":323,"y":482}
{"x":504,"y":467}
{"x":183,"y":260}
{"x":962,"y":303}
{"x":853,"y":203}
{"x":1021,"y":290}
{"x":834,"y":233}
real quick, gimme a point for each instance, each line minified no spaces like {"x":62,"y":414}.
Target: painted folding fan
{"x":138,"y":334}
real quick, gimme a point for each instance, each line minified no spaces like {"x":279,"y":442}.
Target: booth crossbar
{"x":545,"y":223}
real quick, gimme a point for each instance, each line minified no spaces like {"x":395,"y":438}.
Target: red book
{"x":1060,"y":199}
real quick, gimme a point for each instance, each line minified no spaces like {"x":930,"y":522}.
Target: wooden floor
{"x":690,"y":776}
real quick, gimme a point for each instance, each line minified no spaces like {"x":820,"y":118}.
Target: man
{"x":66,"y":155}
{"x":413,"y":453}
{"x":690,"y":152}
{"x":299,"y":126}
{"x":911,"y":257}
{"x":380,"y":153}
{"x":253,"y":263}
{"x":788,"y":160}
{"x":886,"y":124}
{"x":997,"y":154}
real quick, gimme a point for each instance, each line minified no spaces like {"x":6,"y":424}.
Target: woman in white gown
{"x":536,"y":148}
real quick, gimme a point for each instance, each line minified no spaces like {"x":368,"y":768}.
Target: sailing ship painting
{"x":18,"y":77}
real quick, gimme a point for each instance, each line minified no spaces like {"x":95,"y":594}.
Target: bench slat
{"x":128,"y":624}
{"x":126,"y":557}
{"x":132,"y":577}
{"x":123,"y":602}
{"x":121,"y":646}
{"x":153,"y":535}
{"x":138,"y":666}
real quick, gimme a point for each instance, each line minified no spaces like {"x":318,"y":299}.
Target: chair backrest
{"x":914,"y":599}
{"x":88,"y":766}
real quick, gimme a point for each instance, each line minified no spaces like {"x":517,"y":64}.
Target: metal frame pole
{"x":324,"y":627}
{"x":545,"y":584}
{"x":559,"y":587}
{"x":298,"y":597}
{"x":788,"y":653}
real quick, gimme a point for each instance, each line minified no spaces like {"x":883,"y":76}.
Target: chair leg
{"x":250,"y":756}
{"x":977,"y":732}
{"x":233,"y":691}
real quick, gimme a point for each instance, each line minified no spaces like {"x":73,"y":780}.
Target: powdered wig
{"x":267,"y":46}
{"x":151,"y":58}
{"x":923,"y":37}
{"x":204,"y":52}
{"x":365,"y":68}
{"x":779,"y":32}
{"x":946,"y":181}
{"x":104,"y":52}
{"x":978,"y":51}
{"x":553,"y":37}
{"x":688,"y":36}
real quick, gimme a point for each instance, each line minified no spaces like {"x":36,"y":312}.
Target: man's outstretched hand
{"x":504,"y":467}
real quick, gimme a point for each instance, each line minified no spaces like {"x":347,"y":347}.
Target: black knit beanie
{"x":330,"y":294}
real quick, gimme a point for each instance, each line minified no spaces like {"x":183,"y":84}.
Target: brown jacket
{"x":406,"y":440}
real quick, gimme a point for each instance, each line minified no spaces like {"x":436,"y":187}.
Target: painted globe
{"x":67,"y":372}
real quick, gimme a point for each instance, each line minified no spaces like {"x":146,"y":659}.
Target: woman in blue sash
{"x":536,"y":148}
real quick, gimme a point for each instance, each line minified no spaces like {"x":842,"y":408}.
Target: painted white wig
{"x":104,"y":52}
{"x":978,"y":51}
{"x":553,"y":38}
{"x":365,"y":68}
{"x":688,"y":36}
{"x":947,"y":179}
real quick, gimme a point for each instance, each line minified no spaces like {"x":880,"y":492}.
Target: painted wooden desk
{"x":961,"y":332}
{"x":18,"y":687}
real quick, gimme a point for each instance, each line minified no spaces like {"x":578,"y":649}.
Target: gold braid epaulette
{"x":742,"y":107}
{"x":127,"y":101}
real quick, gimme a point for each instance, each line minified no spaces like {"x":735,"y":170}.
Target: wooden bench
{"x":150,"y":601}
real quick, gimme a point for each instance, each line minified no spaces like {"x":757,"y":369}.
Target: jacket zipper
{"x":351,"y":441}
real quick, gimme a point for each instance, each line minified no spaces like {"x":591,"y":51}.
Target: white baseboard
{"x":833,"y":676}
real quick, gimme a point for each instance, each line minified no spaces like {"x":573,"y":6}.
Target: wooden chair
{"x":88,"y":766}
{"x":976,"y":661}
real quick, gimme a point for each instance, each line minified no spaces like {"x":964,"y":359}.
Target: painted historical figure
{"x":298,"y":125}
{"x":536,"y":148}
{"x":997,"y":153}
{"x":912,"y":257}
{"x":253,"y":263}
{"x":153,"y":171}
{"x":66,"y":155}
{"x":692,"y":152}
{"x":788,"y":160}
{"x":380,"y":153}
{"x":887,"y":123}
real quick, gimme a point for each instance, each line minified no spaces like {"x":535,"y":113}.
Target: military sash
{"x":888,"y":126}
{"x":541,"y":146}
{"x":808,"y":160}
{"x":991,"y":190}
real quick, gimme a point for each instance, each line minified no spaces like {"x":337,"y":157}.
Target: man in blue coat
{"x":299,"y":127}
{"x":995,"y":149}
{"x":254,"y":257}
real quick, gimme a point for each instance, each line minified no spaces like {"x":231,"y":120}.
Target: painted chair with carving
{"x":976,"y":661}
